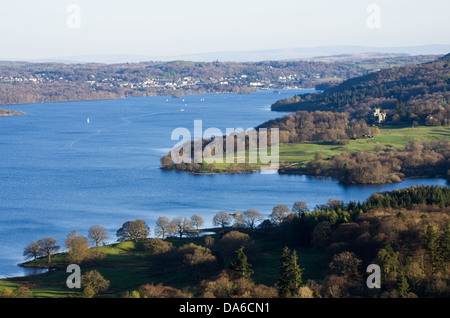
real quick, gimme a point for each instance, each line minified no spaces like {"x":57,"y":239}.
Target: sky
{"x":39,"y":29}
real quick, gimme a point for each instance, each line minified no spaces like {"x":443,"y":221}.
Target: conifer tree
{"x":241,"y":267}
{"x":444,"y":243}
{"x":402,"y":285}
{"x":431,"y":241}
{"x":290,"y":276}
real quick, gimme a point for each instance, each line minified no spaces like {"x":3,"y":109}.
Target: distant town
{"x":24,"y":82}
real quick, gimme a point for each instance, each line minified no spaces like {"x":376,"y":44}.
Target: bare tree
{"x":163,"y":227}
{"x":299,"y":207}
{"x":97,"y":234}
{"x":182,"y":225}
{"x":48,"y":247}
{"x":197,"y":221}
{"x":279,"y":213}
{"x":251,"y":217}
{"x":222,"y":218}
{"x":32,"y":250}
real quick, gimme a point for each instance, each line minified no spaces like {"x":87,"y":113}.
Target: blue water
{"x":59,"y":173}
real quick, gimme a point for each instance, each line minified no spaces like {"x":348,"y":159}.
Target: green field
{"x":127,"y":267}
{"x":389,"y":136}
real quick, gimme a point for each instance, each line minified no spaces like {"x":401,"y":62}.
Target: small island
{"x":9,"y":112}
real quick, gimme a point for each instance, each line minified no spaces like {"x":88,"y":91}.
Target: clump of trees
{"x":416,"y":159}
{"x":78,"y":249}
{"x":45,"y":247}
{"x":320,"y":126}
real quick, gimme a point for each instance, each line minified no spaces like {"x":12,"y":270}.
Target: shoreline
{"x":441,"y":177}
{"x":169,"y":95}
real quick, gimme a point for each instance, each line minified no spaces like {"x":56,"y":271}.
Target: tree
{"x":97,"y":234}
{"x":346,"y":264}
{"x":163,"y":227}
{"x":181,"y":225}
{"x":402,"y":285}
{"x":279,"y":213}
{"x":222,"y":219}
{"x":240,"y":266}
{"x":19,"y":292}
{"x":48,"y":247}
{"x":93,"y":283}
{"x":78,"y":248}
{"x":388,"y":260}
{"x":300,"y":207}
{"x":197,"y":221}
{"x":32,"y":250}
{"x":290,"y":274}
{"x":444,"y":242}
{"x":230,"y":243}
{"x":430,"y":239}
{"x":196,"y":254}
{"x":321,"y":235}
{"x":251,"y":217}
{"x":238,"y":218}
{"x":133,"y":231}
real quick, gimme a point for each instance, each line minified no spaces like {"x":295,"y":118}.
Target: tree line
{"x":385,"y":165}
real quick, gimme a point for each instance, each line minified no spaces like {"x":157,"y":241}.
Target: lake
{"x":60,"y":171}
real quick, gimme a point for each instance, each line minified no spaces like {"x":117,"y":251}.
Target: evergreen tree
{"x":431,"y":241}
{"x":290,"y":277}
{"x":241,"y":267}
{"x":444,"y":243}
{"x":402,"y":285}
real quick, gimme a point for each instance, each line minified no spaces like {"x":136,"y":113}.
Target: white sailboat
{"x":88,"y":120}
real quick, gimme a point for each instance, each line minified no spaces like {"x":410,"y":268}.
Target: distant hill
{"x":294,"y":53}
{"x":412,"y":93}
{"x":24,"y":82}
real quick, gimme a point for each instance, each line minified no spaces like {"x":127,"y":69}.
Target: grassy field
{"x":127,"y":267}
{"x":389,"y":136}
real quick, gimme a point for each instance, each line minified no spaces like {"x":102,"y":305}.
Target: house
{"x":379,"y":115}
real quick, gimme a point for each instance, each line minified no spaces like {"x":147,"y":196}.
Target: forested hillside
{"x":414,"y":93}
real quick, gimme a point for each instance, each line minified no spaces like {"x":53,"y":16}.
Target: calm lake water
{"x":59,"y":173}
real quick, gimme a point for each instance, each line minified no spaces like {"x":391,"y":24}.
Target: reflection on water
{"x":26,"y":271}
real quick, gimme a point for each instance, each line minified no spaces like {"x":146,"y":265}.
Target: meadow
{"x":128,"y":266}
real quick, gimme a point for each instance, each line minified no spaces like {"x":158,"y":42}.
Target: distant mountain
{"x":412,"y":93}
{"x":257,"y":55}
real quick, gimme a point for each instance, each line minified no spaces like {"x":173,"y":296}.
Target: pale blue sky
{"x":33,"y":29}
